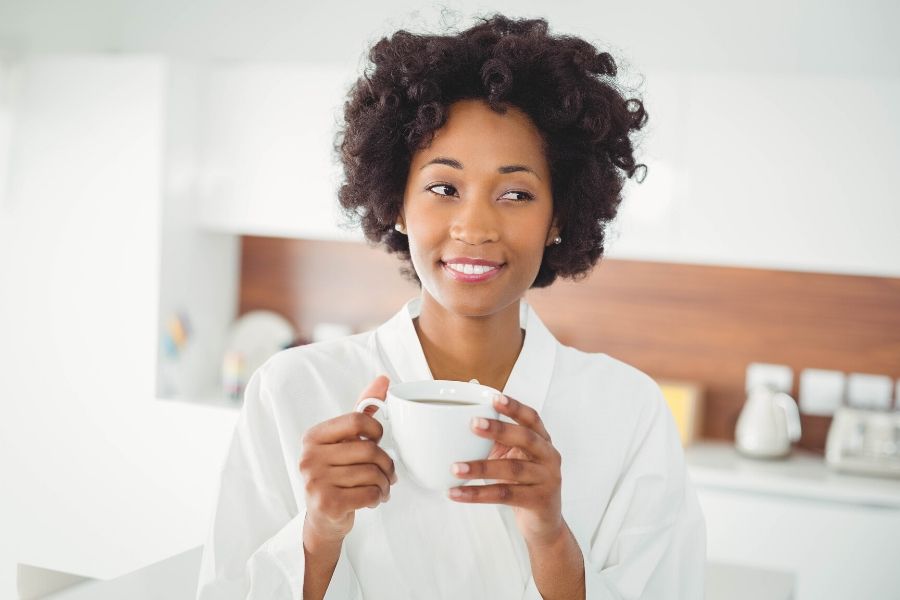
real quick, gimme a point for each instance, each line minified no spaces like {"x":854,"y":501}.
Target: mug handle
{"x":379,"y":403}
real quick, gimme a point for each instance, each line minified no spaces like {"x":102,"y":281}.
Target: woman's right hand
{"x":343,"y":472}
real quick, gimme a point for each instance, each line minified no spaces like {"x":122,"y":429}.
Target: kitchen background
{"x":168,"y":220}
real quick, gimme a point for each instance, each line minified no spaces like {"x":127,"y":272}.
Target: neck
{"x":460,"y":347}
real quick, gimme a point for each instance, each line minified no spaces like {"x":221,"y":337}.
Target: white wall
{"x":811,"y":36}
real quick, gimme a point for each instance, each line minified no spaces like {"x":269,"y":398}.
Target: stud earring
{"x":557,"y":240}
{"x":400,"y":228}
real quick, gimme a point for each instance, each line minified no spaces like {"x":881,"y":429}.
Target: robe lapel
{"x":529,"y":381}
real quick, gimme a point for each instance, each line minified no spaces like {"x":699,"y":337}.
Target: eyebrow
{"x":450,"y":162}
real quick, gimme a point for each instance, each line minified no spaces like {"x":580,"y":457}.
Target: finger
{"x":513,"y":435}
{"x":344,"y":427}
{"x":523,"y":415}
{"x":359,"y":452}
{"x":359,"y":497}
{"x":508,"y":469}
{"x":352,"y":476}
{"x":498,"y":493}
{"x":376,"y":389}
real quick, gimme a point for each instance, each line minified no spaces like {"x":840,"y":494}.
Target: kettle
{"x":768,"y":424}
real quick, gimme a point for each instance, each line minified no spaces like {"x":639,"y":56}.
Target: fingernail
{"x":455,"y":492}
{"x":480,"y":422}
{"x":393,"y":478}
{"x":460,"y":468}
{"x":503,"y":400}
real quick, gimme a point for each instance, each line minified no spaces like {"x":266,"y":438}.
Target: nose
{"x":475,"y":222}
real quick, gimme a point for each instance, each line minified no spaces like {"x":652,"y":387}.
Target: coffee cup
{"x":430,"y":422}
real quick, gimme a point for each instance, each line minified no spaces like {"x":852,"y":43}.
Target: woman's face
{"x":481,"y":190}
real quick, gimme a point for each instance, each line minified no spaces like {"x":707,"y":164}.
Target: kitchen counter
{"x":176,"y":579}
{"x":137,"y":486}
{"x":804,"y":474}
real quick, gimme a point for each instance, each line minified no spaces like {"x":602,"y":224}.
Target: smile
{"x":471,"y":273}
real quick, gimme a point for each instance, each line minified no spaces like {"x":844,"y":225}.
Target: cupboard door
{"x":268,"y":166}
{"x":79,"y":228}
{"x":837,"y":550}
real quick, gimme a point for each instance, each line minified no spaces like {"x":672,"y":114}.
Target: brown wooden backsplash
{"x":672,"y":321}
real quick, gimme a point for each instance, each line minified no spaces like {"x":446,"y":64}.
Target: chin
{"x":473,"y":304}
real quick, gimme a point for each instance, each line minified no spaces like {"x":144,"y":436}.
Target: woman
{"x":505,"y":147}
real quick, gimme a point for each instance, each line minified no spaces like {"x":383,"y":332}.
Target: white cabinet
{"x":836,"y":550}
{"x":839,"y":534}
{"x":766,"y":170}
{"x":268,"y":164}
{"x":79,"y":226}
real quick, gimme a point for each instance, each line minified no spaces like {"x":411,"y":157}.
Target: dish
{"x":251,"y":340}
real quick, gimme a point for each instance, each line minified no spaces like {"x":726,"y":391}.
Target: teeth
{"x":470,"y":269}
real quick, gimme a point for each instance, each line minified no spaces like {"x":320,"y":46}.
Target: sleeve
{"x":254,"y":548}
{"x":651,"y":539}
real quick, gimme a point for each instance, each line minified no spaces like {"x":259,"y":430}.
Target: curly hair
{"x":565,"y":86}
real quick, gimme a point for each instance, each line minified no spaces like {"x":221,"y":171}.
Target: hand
{"x":343,"y":472}
{"x":524,"y":460}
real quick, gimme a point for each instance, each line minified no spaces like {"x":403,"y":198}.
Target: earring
{"x":400,"y":228}
{"x":557,"y":240}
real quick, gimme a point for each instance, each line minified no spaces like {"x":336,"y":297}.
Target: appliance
{"x":864,"y":441}
{"x":768,"y":423}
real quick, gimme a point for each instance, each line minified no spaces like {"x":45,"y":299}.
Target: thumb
{"x":377,"y":389}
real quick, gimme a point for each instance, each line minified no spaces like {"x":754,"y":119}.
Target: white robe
{"x":626,"y":494}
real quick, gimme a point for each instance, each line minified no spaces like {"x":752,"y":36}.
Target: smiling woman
{"x":490,"y":160}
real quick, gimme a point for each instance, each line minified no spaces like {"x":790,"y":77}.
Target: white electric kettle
{"x":768,"y":424}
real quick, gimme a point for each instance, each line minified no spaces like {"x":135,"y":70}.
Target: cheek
{"x":429,"y":225}
{"x":424,"y":244}
{"x":527,"y":237}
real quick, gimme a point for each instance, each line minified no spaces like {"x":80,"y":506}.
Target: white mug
{"x":430,"y":422}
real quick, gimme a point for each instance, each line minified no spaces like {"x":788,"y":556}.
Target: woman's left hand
{"x":527,"y":467}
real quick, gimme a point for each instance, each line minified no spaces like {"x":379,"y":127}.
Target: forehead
{"x":486,"y":138}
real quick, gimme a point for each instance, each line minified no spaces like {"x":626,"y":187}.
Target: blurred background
{"x":168,"y":220}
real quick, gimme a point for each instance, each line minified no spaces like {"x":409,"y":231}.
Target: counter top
{"x":137,"y":485}
{"x":803,"y":474}
{"x":176,"y":577}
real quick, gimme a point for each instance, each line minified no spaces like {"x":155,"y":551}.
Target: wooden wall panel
{"x":673,"y":321}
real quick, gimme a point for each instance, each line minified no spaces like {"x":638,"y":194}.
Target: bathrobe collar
{"x":529,"y":380}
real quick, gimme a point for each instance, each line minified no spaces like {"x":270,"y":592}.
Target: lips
{"x":473,"y":277}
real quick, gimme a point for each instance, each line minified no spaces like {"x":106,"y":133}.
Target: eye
{"x":526,"y":195}
{"x":440,"y":185}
